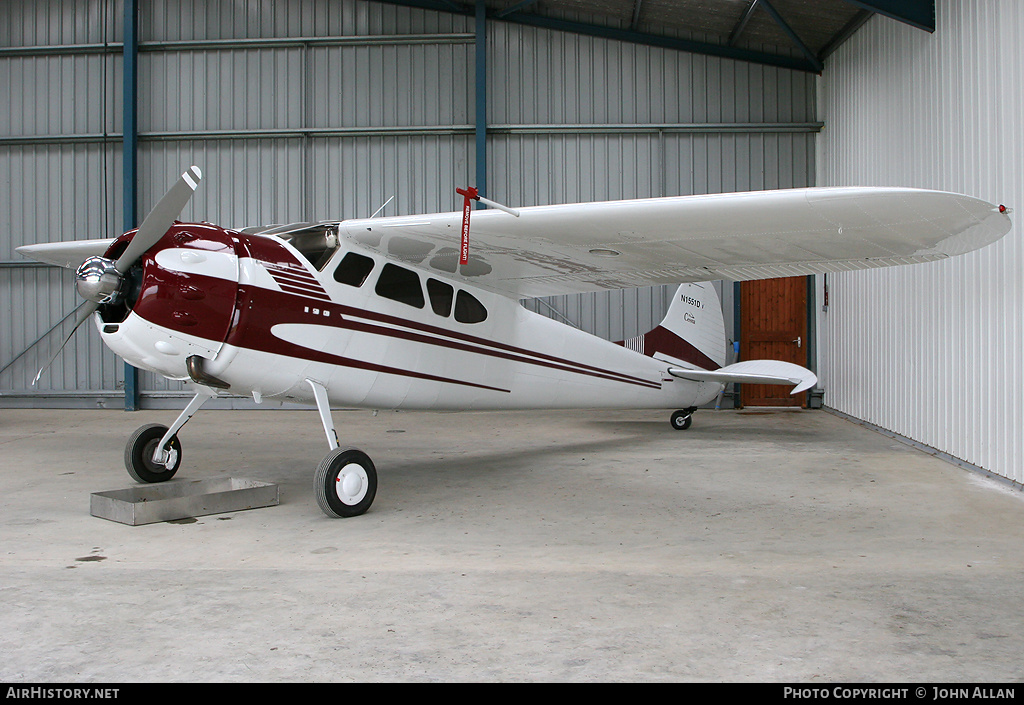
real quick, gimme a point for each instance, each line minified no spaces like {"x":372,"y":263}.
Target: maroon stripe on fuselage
{"x":486,"y":347}
{"x":262,"y":339}
{"x":572,"y":366}
{"x":293,"y":278}
{"x":273,"y":255}
{"x":254,"y":332}
{"x":297,"y":282}
{"x":251,"y":328}
{"x":277,"y":308}
{"x":465,"y":347}
{"x":662,"y":340}
{"x":319,"y":296}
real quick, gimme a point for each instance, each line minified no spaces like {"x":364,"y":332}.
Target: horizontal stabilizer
{"x":66,"y":254}
{"x":753,"y":372}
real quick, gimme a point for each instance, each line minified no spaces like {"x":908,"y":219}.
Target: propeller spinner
{"x":100,"y":280}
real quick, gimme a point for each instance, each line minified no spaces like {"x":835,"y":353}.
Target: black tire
{"x":681,"y":420}
{"x":138,"y":454}
{"x":345,"y":483}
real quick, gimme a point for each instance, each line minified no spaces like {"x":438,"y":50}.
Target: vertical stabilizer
{"x":693,"y":332}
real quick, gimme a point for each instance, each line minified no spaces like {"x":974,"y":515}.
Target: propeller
{"x":161,"y":218}
{"x":99,"y":280}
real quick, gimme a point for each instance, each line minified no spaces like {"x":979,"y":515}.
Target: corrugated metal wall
{"x":325,"y":109}
{"x":60,"y":169}
{"x":579,"y":119}
{"x":934,"y":352}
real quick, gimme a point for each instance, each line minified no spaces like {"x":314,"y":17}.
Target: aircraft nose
{"x":186,"y":304}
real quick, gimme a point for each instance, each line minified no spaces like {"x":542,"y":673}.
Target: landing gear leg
{"x":345,"y":481}
{"x":682,"y":419}
{"x":153,"y":452}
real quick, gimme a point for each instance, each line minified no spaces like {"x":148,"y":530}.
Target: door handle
{"x":799,"y":341}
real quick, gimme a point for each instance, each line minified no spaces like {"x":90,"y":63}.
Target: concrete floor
{"x":552,"y":546}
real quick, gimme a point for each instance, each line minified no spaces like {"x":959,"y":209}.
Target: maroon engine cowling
{"x":178,"y":299}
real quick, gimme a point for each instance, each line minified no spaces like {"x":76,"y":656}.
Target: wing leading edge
{"x":582,"y":247}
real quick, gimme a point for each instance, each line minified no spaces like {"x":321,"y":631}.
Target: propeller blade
{"x":69,"y":255}
{"x":84,"y":311}
{"x":161,"y":218}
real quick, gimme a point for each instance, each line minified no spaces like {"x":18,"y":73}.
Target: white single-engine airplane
{"x":379,"y":313}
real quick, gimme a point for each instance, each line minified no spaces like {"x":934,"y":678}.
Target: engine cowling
{"x":177,"y":301}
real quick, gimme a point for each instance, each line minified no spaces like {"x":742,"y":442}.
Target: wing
{"x":582,"y":247}
{"x":65,"y":254}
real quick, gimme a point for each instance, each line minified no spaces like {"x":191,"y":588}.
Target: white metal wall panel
{"x":933,"y":352}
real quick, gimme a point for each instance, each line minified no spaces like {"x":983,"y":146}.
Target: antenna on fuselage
{"x":377,"y":212}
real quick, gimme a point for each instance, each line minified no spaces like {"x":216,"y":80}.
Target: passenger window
{"x":468,"y":309}
{"x":400,"y":284}
{"x":353,"y":269}
{"x":441,"y":296}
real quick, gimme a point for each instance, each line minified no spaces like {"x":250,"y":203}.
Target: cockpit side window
{"x":353,"y":269}
{"x":400,"y":284}
{"x":316,"y":246}
{"x":441,"y":297}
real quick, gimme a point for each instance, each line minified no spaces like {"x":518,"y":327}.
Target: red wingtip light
{"x":1002,"y":209}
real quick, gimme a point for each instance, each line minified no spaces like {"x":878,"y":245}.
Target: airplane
{"x":409,"y":312}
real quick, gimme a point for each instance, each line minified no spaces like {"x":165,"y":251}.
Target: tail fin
{"x":693,"y":332}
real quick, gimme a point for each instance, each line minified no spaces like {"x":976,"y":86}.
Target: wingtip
{"x":805,"y":384}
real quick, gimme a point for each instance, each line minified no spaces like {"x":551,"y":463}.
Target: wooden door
{"x":773,"y":326}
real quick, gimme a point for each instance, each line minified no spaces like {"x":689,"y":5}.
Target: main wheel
{"x":345,"y":483}
{"x":138,"y":455}
{"x":681,"y":420}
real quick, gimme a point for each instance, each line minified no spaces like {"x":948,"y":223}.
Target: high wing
{"x":549,"y":250}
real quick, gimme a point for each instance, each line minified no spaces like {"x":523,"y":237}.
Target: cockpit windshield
{"x":317,"y":242}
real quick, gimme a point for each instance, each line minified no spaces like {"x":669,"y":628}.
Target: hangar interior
{"x":326,"y":109}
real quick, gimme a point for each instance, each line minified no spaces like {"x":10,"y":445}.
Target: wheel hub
{"x":351,"y":484}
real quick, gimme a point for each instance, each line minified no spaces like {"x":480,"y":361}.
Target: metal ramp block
{"x":181,"y":499}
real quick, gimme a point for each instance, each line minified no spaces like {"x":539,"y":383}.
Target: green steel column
{"x":481,"y":99}
{"x":130,"y":159}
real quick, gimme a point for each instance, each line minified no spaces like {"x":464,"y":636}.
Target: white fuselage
{"x":291,"y":324}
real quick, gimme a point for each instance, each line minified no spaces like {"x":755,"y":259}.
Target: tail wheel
{"x":681,"y":420}
{"x":345,"y":483}
{"x":138,"y":455}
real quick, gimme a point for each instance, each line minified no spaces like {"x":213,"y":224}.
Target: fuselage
{"x":267,"y":317}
